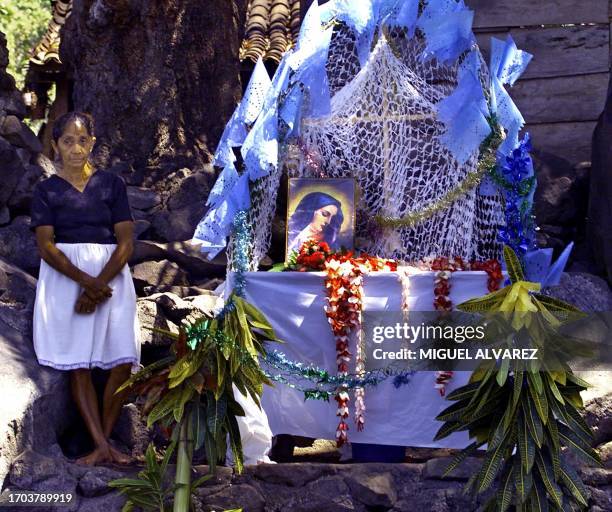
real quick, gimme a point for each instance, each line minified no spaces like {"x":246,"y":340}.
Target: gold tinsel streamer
{"x":486,"y":163}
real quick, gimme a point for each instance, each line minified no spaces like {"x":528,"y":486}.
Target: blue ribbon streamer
{"x":507,"y":65}
{"x":447,"y":25}
{"x":244,"y":115}
{"x":260,"y":148}
{"x":225,"y":182}
{"x":464,"y":112}
{"x":406,"y":16}
{"x":308,"y":62}
{"x":291,"y":111}
{"x":255,"y":94}
{"x":540,"y":269}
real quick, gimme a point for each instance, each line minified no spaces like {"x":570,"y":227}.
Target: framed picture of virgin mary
{"x":320,"y":209}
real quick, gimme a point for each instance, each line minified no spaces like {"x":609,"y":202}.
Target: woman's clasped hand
{"x":95,"y":291}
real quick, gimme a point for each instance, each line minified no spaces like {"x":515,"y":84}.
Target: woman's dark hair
{"x":305,"y":210}
{"x":60,"y":123}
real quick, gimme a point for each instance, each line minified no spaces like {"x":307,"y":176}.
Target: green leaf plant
{"x":528,"y":416}
{"x":189,"y":394}
{"x":150,"y":491}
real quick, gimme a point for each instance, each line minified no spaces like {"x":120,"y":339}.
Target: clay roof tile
{"x":47,"y":50}
{"x":271,"y":29}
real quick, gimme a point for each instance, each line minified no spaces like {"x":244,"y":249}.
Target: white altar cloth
{"x":293,"y":303}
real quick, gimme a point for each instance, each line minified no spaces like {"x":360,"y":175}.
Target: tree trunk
{"x":160,"y":77}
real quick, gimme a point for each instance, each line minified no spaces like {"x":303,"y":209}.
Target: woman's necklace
{"x":83,"y":177}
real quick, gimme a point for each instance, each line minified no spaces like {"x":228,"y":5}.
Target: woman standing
{"x":85,"y":309}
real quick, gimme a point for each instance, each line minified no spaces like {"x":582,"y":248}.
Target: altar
{"x":293,"y":303}
{"x":384,"y":139}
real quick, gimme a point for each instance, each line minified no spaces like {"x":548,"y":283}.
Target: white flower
{"x":333,"y":264}
{"x":346,"y":268}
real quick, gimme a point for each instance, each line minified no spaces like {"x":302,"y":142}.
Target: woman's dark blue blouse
{"x":81,"y":217}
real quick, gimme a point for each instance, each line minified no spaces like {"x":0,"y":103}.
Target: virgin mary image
{"x":317,"y":217}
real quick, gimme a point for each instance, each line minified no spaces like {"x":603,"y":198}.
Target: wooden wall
{"x":563,"y":91}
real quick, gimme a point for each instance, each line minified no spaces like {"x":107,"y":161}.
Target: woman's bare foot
{"x":119,"y":457}
{"x":100,"y":454}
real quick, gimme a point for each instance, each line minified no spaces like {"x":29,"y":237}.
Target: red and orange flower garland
{"x":444,"y":268}
{"x":344,"y":286}
{"x":494,"y":272}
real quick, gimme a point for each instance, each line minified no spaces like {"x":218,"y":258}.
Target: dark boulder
{"x":18,"y":245}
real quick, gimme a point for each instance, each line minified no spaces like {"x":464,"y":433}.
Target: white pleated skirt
{"x":67,"y":340}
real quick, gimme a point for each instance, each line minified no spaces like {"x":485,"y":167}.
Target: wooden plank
{"x":553,"y":100}
{"x":528,"y":13}
{"x":571,"y":141}
{"x":558,"y":51}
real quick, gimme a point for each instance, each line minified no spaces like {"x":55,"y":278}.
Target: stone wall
{"x":295,"y":487}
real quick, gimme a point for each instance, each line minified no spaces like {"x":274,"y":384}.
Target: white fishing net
{"x":383,"y":132}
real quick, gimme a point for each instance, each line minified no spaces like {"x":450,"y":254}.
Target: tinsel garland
{"x":241,"y":246}
{"x":197,"y":330}
{"x":321,"y":383}
{"x":517,"y":170}
{"x":444,"y":203}
{"x":510,"y":174}
{"x":523,"y":188}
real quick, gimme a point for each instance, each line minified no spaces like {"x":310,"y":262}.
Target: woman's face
{"x":74,"y":145}
{"x":322,"y":217}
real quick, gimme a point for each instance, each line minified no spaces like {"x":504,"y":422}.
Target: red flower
{"x":493,"y":270}
{"x":312,"y":255}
